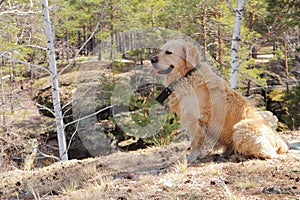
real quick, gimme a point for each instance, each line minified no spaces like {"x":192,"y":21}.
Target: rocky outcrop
{"x":87,"y":91}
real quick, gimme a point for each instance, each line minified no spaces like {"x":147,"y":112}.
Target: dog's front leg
{"x":196,"y":121}
{"x":197,"y":134}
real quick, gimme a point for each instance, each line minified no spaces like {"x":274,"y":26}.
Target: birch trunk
{"x":54,"y":84}
{"x":3,"y":101}
{"x":235,"y":43}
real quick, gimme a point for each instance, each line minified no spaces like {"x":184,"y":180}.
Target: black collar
{"x":168,"y":90}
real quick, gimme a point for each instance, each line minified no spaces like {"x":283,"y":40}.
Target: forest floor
{"x":159,"y":173}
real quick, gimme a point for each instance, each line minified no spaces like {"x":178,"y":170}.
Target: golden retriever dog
{"x":211,"y":111}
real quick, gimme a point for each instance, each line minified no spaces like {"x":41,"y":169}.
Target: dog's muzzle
{"x":154,"y":60}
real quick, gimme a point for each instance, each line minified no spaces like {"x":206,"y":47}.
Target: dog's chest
{"x":189,"y":100}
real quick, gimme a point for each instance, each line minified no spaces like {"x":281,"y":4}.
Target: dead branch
{"x":247,"y":56}
{"x":23,"y":62}
{"x":18,"y":12}
{"x":230,"y":6}
{"x":85,"y":117}
{"x":48,"y":156}
{"x":83,"y":45}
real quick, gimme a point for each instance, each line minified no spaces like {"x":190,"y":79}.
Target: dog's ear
{"x":192,"y":56}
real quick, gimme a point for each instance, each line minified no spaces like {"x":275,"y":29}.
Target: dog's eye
{"x":168,"y":52}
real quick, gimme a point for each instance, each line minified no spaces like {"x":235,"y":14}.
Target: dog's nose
{"x":154,"y":59}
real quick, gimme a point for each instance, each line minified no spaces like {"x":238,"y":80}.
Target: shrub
{"x":292,"y":105}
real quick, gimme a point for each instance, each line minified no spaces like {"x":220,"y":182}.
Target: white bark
{"x":54,"y":84}
{"x":235,"y":42}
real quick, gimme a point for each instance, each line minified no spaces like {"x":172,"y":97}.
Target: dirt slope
{"x":147,"y":174}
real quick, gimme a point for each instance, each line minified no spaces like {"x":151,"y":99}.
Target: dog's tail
{"x":282,"y":146}
{"x":251,"y":137}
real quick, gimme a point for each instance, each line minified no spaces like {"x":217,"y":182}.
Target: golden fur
{"x":213,"y":112}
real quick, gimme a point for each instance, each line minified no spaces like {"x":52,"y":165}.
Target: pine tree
{"x":292,"y":103}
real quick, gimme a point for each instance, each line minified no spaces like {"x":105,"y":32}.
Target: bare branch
{"x":18,"y":12}
{"x":25,"y":63}
{"x":73,"y":60}
{"x":230,"y":6}
{"x":270,"y":27}
{"x":48,"y":156}
{"x":85,"y":117}
{"x":75,"y":131}
{"x":37,"y":47}
{"x":44,"y":108}
{"x":247,"y":56}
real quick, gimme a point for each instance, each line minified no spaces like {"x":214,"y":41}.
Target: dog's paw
{"x":193,"y":156}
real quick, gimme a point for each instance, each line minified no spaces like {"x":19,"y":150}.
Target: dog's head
{"x":176,"y":58}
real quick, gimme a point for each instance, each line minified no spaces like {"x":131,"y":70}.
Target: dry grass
{"x":34,"y":191}
{"x":247,"y":184}
{"x":180,"y":166}
{"x":92,"y":190}
{"x":211,"y":170}
{"x":89,"y":171}
{"x":142,"y":175}
{"x":228,"y":192}
{"x":70,"y":186}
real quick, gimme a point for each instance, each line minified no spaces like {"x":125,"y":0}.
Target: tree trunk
{"x":84,"y":39}
{"x":112,"y":18}
{"x":79,"y":40}
{"x":285,"y":43}
{"x":204,"y":33}
{"x":11,"y":84}
{"x":3,"y":101}
{"x":99,"y":50}
{"x":68,"y":45}
{"x":220,"y":48}
{"x":235,"y":44}
{"x":54,"y":84}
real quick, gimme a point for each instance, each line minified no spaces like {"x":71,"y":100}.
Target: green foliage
{"x":248,"y":71}
{"x":291,"y":101}
{"x":118,"y":67}
{"x":140,"y":105}
{"x":108,"y":85}
{"x":138,"y":54}
{"x":167,"y":133}
{"x":278,"y":54}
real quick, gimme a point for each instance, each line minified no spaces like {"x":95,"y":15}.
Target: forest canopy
{"x":210,"y":23}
